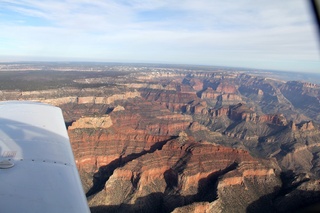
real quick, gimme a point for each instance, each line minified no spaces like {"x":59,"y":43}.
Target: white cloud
{"x":202,"y":31}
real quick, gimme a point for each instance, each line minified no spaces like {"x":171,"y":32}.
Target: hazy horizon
{"x":269,"y":35}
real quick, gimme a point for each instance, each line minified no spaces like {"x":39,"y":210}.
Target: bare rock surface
{"x":179,"y":140}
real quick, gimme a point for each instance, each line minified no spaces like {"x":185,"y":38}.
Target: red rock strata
{"x":181,"y":173}
{"x":131,"y":138}
{"x":97,"y":141}
{"x":226,"y":88}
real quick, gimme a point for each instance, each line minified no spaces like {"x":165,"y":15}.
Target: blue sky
{"x":265,"y":34}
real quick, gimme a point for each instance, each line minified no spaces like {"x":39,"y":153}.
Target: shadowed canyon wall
{"x":191,"y":141}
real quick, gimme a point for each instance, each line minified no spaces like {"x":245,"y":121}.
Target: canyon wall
{"x":165,"y":141}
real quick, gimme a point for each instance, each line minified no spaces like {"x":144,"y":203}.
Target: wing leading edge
{"x":37,"y":168}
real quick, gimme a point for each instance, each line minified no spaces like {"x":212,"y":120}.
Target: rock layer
{"x":182,"y":173}
{"x":139,"y":140}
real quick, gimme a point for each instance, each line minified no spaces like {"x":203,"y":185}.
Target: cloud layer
{"x":263,"y":34}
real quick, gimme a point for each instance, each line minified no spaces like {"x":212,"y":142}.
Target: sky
{"x":263,"y":34}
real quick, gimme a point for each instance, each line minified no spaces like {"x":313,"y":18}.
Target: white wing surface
{"x":37,"y":168}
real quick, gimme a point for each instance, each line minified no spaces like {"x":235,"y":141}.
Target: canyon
{"x":190,"y":140}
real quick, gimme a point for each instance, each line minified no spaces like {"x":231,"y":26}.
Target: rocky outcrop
{"x":103,"y":122}
{"x":118,"y":108}
{"x":209,"y":93}
{"x":198,"y":207}
{"x":196,"y":84}
{"x":179,"y":174}
{"x":195,"y":126}
{"x":139,"y":139}
{"x":251,"y":183}
{"x":307,"y":126}
{"x":138,"y":127}
{"x":241,"y":112}
{"x":149,"y":86}
{"x":229,"y":99}
{"x":274,"y":119}
{"x":107,"y":100}
{"x":62,"y":96}
{"x":304,"y":97}
{"x":174,"y":101}
{"x":222,"y":111}
{"x":225,"y":87}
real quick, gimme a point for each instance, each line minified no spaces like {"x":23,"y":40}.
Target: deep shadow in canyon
{"x":171,"y":198}
{"x":288,"y":198}
{"x":102,"y":176}
{"x":159,"y":202}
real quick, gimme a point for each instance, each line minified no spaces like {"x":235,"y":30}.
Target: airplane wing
{"x":37,"y":168}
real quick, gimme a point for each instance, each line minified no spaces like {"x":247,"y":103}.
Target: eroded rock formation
{"x":183,"y":173}
{"x":183,"y":141}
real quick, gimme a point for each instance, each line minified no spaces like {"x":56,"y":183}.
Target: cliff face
{"x":131,"y":151}
{"x":182,"y":141}
{"x":102,"y":122}
{"x":173,"y":100}
{"x":303,"y":97}
{"x":135,"y":128}
{"x":183,"y":172}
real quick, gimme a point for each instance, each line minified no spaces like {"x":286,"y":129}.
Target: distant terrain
{"x":180,"y":138}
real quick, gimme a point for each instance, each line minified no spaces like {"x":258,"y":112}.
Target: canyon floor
{"x":155,"y":138}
